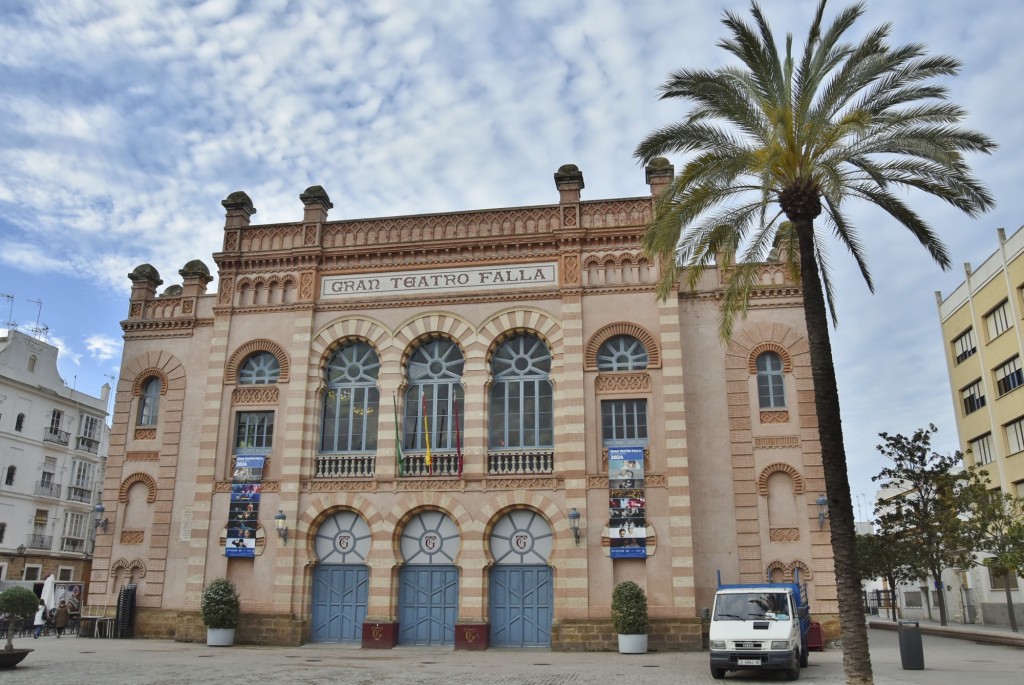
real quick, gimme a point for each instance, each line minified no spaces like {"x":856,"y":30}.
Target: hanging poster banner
{"x":245,"y":506}
{"x":627,"y":503}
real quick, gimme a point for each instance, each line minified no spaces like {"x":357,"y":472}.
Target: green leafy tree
{"x":1000,"y":519}
{"x":778,"y":142}
{"x":17,"y":601}
{"x":884,"y":556}
{"x":932,"y":503}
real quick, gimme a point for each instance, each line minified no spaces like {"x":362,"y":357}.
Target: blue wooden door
{"x":339,"y":602}
{"x":428,"y":604}
{"x":521,"y":599}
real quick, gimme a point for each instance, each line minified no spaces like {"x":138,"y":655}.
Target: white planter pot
{"x":220,"y":637}
{"x":632,"y":644}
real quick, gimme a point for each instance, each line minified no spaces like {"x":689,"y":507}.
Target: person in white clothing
{"x":40,"y":621}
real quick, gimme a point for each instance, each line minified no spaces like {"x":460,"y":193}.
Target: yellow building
{"x":983,"y":328}
{"x":459,"y":429}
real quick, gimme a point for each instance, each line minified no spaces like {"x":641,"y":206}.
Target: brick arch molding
{"x":758,"y":350}
{"x":762,"y":480}
{"x":144,"y":376}
{"x":623,"y":328}
{"x":250,"y":348}
{"x":127,"y":483}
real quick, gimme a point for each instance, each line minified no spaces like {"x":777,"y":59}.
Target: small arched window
{"x":771,"y":393}
{"x":261,"y":368}
{"x":10,"y":475}
{"x":19,"y":422}
{"x":622,"y":353}
{"x":149,"y":402}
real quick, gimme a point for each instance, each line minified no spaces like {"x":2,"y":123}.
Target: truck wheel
{"x":717,"y":673}
{"x":804,"y":654}
{"x":794,"y":673}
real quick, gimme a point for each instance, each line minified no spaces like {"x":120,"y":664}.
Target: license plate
{"x":748,"y":662}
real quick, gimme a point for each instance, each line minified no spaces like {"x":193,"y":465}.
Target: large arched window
{"x":435,"y":394}
{"x":771,"y":393}
{"x":261,"y":368}
{"x":149,"y":402}
{"x":622,"y":353}
{"x":351,"y":401}
{"x":521,"y":411}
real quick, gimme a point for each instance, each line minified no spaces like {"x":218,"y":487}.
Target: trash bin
{"x":911,"y":651}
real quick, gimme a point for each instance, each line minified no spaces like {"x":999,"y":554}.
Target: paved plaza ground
{"x":77,"y":661}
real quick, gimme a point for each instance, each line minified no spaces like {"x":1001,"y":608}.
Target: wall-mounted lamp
{"x":574,"y":524}
{"x":101,"y":521}
{"x":822,"y":503}
{"x":20,"y":552}
{"x":282,"y":527}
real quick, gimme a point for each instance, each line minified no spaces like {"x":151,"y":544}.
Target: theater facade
{"x":456,"y":429}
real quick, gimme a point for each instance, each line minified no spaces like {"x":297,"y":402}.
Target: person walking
{"x":60,"y":619}
{"x":40,"y":620}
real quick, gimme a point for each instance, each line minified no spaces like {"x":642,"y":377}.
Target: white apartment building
{"x":53,"y":447}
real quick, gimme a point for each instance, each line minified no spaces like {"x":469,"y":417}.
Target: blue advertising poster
{"x":243,"y":515}
{"x":627,"y":505}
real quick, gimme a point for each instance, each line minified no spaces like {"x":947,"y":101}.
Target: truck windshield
{"x":752,"y":606}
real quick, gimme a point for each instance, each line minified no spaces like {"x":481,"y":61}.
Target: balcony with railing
{"x":46,"y":488}
{"x":80,"y":494}
{"x":72,"y":545}
{"x":59,"y":437}
{"x":414,"y":464}
{"x":358,"y":465}
{"x":88,"y":445}
{"x":38,"y":541}
{"x":517,"y":462}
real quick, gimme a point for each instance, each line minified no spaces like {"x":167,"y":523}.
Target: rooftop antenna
{"x":11,"y":324}
{"x":39,"y":332}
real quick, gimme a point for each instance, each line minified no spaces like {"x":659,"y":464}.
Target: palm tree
{"x":777,"y":143}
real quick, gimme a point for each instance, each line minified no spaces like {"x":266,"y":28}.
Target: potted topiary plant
{"x":15,"y":602}
{"x":629,"y":616}
{"x":220,"y":607}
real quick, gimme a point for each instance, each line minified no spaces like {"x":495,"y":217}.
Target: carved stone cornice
{"x":523,"y":483}
{"x":622,"y":382}
{"x":347,"y":485}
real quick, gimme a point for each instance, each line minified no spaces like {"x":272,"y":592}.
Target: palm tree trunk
{"x":852,"y":626}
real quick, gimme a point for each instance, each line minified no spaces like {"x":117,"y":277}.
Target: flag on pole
{"x":426,"y":429}
{"x":400,"y":469}
{"x":458,"y":437}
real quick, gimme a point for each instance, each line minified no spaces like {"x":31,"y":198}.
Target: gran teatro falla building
{"x":456,"y":429}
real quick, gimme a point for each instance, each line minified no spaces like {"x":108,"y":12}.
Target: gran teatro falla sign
{"x":426,"y":281}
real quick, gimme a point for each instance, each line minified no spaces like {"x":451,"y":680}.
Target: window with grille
{"x":973,"y":397}
{"x":255,"y":430}
{"x":1015,"y":436}
{"x":261,"y":368}
{"x":623,"y":423}
{"x":982,"y":449}
{"x":1009,"y":376}
{"x":149,"y":402}
{"x":351,"y":400}
{"x":998,"y":320}
{"x":622,"y":353}
{"x":771,"y":393}
{"x":997,"y":581}
{"x":435,"y":393}
{"x":522,"y":411}
{"x":965,"y":346}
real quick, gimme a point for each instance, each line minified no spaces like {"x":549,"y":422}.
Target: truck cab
{"x":759,"y":627}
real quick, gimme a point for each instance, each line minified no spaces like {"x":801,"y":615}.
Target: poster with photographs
{"x":626,"y":503}
{"x":245,"y":506}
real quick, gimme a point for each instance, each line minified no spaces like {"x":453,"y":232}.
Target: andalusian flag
{"x":398,"y":438}
{"x":426,"y":428}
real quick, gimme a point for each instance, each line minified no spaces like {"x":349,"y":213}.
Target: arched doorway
{"x":341,"y":579}
{"x":428,"y":591}
{"x":521,"y":596}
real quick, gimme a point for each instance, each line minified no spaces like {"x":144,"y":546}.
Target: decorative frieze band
{"x":768,"y":442}
{"x":132,"y":537}
{"x":248,"y":395}
{"x":626,"y":382}
{"x":142,"y":456}
{"x":775,"y":416}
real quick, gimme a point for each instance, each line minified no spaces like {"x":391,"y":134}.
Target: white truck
{"x":759,"y":627}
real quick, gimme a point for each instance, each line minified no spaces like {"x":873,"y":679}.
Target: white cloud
{"x":102,"y":347}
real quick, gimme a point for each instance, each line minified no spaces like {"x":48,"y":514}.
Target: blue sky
{"x":124,"y":123}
